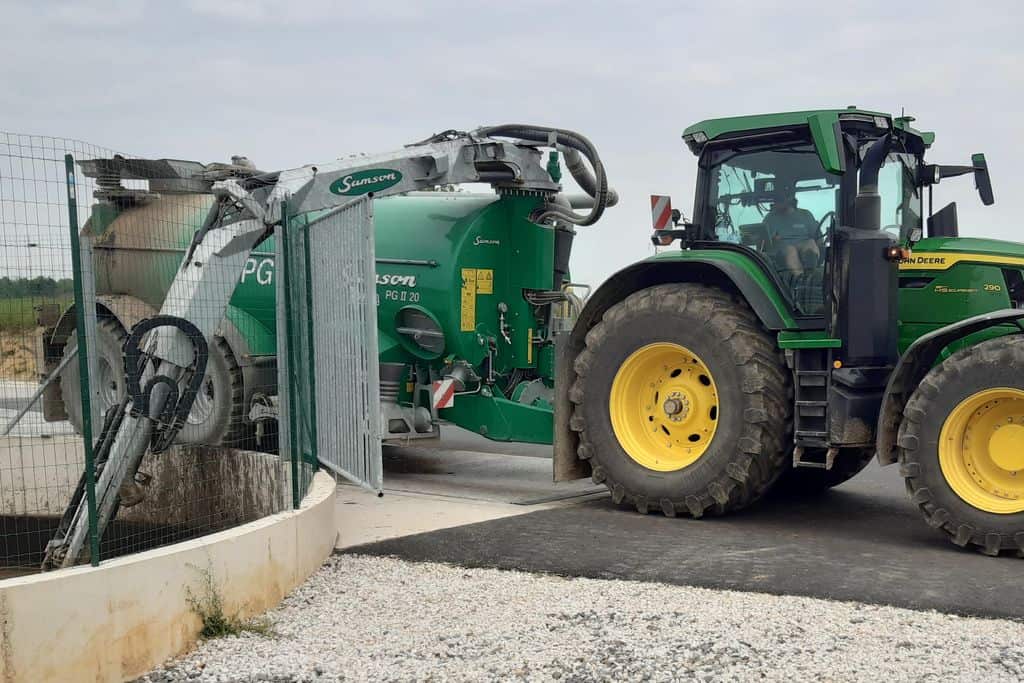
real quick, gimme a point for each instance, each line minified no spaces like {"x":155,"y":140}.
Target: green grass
{"x":18,"y":313}
{"x":209,"y":607}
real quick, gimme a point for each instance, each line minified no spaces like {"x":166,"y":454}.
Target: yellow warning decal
{"x":940,"y":260}
{"x":529,"y":346}
{"x":484,"y":281}
{"x":468,"y":299}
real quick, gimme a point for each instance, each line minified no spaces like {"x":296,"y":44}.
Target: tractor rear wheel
{"x":682,"y":402}
{"x":961,"y":446}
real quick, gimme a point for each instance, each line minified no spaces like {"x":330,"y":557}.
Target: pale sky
{"x":291,"y":82}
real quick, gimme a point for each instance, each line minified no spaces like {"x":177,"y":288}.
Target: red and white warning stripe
{"x":661,"y":211}
{"x":444,"y":393}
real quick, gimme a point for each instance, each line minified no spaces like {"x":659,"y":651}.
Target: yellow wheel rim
{"x":981,"y":450}
{"x":664,"y":406}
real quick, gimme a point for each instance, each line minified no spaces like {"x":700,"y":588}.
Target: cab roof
{"x":712,"y":129}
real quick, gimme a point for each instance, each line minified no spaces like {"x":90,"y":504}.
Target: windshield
{"x":780,"y":203}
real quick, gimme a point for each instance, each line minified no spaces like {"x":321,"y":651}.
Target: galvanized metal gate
{"x":327,"y":363}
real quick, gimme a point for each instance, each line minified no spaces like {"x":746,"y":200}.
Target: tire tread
{"x":761,"y":457}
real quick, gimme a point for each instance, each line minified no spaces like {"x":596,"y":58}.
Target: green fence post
{"x":294,"y":439}
{"x":311,"y":361}
{"x":83,"y":362}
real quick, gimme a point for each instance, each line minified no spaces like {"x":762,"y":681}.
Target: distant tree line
{"x":34,"y":286}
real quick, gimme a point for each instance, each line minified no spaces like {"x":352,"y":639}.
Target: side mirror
{"x":982,"y":181}
{"x":931,"y":174}
{"x":943,"y":223}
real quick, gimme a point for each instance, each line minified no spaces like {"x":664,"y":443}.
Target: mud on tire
{"x":748,"y":451}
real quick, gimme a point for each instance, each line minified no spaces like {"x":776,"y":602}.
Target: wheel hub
{"x":1006,"y":447}
{"x":664,"y":406}
{"x":676,"y":406}
{"x":981,"y":450}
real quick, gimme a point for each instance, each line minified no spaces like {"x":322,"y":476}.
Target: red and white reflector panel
{"x":661,"y":211}
{"x":444,"y":393}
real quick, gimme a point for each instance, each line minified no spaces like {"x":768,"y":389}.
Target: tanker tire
{"x":225,"y":423}
{"x":806,"y":481}
{"x":748,"y":452}
{"x":110,"y":336}
{"x":996,"y":362}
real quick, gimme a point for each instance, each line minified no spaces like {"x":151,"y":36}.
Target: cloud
{"x":273,"y":13}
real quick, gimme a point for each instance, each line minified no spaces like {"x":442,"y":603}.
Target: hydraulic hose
{"x":597,"y":184}
{"x":170,"y":415}
{"x":584,"y":178}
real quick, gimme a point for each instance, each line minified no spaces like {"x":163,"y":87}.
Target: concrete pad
{"x":13,"y":397}
{"x":363,"y":517}
{"x":460,"y":479}
{"x":465,"y":465}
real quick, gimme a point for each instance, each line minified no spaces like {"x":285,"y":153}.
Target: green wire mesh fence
{"x":91,"y":242}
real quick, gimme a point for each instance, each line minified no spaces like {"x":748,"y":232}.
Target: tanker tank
{"x":466,"y":287}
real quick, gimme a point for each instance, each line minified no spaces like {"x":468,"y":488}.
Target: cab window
{"x":780,"y":203}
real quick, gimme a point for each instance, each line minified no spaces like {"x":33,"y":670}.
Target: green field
{"x":18,"y":313}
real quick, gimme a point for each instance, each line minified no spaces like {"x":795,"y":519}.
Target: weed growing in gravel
{"x":209,"y":606}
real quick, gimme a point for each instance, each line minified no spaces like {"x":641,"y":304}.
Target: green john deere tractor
{"x":804,"y":324}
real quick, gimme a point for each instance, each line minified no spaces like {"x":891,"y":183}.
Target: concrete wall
{"x":200,"y":484}
{"x":189,"y":483}
{"x":119,"y":620}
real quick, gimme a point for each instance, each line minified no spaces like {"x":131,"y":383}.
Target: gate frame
{"x":302,"y":413}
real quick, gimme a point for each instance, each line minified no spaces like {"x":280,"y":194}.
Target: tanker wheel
{"x":210,"y":421}
{"x":109,"y":383}
{"x":961,"y":446}
{"x":682,"y":402}
{"x":797,"y":481}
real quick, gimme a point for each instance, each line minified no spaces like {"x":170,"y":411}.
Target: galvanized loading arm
{"x":456,"y":161}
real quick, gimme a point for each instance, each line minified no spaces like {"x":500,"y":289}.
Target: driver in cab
{"x":792,"y":234}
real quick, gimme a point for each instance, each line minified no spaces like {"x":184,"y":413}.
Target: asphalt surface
{"x":862,"y":541}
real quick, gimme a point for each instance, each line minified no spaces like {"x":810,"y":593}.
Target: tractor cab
{"x":778,"y":186}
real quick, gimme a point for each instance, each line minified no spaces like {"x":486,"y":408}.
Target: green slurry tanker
{"x":814,"y":313}
{"x":470,"y":292}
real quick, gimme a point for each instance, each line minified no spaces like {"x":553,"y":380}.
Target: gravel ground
{"x":366,"y":618}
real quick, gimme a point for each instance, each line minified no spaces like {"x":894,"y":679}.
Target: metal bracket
{"x":830,"y":459}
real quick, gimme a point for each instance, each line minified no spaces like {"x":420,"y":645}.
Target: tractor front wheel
{"x":682,"y":402}
{"x":961,"y":446}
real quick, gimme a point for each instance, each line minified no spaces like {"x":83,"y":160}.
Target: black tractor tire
{"x":996,"y":363}
{"x":806,"y":481}
{"x":748,"y":451}
{"x":211,"y":421}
